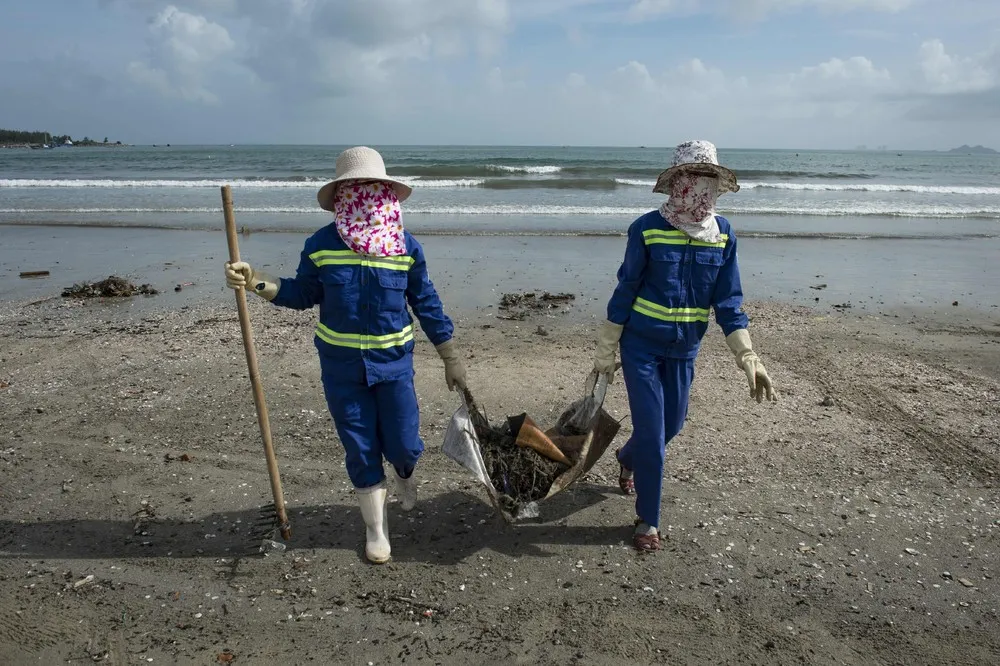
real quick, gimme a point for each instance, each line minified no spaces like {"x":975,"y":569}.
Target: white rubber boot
{"x":407,"y":491}
{"x":373,"y":510}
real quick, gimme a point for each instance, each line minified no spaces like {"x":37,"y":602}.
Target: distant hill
{"x":978,"y":150}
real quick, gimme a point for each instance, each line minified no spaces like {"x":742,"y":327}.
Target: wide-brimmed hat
{"x":697,"y":156}
{"x":359,"y":163}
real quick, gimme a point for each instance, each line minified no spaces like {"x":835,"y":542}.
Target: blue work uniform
{"x":365,"y":342}
{"x":666,"y":286}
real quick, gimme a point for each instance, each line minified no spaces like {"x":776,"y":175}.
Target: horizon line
{"x":876,"y":149}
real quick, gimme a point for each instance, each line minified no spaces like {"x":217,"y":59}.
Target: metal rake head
{"x":264,"y":527}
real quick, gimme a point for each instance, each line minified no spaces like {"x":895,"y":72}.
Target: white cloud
{"x":302,"y":51}
{"x":339,"y":47}
{"x":184,"y":50}
{"x":647,"y":9}
{"x":757,"y":9}
{"x":853,"y":99}
{"x":690,"y":78}
{"x":948,"y":74}
{"x":837,"y":77}
{"x":436,"y":70}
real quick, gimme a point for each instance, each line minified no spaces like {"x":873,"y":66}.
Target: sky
{"x":826,"y":74}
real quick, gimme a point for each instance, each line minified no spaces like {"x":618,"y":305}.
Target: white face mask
{"x":691,"y":206}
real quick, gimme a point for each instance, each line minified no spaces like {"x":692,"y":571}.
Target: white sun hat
{"x":359,"y":163}
{"x":697,"y":156}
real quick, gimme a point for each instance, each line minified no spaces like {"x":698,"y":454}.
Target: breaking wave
{"x":854,"y":209}
{"x":562,"y":183}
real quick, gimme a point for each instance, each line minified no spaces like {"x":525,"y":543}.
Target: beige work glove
{"x":747,"y":360}
{"x":454,"y":369}
{"x":608,"y":336}
{"x":241,"y":275}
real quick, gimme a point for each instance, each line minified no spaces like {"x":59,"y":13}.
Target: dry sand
{"x":855,"y":522}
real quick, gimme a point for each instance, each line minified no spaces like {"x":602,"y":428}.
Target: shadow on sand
{"x":443,"y":529}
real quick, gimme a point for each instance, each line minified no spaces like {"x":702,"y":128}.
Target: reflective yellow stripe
{"x":351,"y":258}
{"x":682,"y":315}
{"x":356,"y":341}
{"x":722,"y":242}
{"x":664,"y":237}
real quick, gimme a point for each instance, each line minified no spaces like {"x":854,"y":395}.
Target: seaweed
{"x":518,"y":306}
{"x":113,"y":286}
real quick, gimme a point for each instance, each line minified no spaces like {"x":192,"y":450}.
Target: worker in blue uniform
{"x":362,"y":271}
{"x":680,"y":262}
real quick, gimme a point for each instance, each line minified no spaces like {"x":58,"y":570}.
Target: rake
{"x":272,"y":516}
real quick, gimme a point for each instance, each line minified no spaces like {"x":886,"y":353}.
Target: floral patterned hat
{"x":697,"y":156}
{"x":359,"y":163}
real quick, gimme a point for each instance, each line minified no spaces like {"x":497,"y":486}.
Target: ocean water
{"x":881,"y":229}
{"x":482,"y":190}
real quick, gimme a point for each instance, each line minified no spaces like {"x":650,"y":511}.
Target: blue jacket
{"x":668,"y":282}
{"x":364,"y":326}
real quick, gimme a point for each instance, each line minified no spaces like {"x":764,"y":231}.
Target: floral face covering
{"x":369,"y":219}
{"x":691,"y":206}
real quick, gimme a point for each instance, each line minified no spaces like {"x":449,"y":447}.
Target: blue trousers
{"x":374,"y":423}
{"x":658,"y":391}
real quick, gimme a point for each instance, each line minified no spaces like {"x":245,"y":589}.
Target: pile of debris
{"x":519,"y":463}
{"x":519,"y":474}
{"x":112,"y":287}
{"x":518,"y":306}
{"x":523,"y":462}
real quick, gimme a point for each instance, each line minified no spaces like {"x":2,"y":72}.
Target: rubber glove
{"x":747,"y":360}
{"x":454,"y":369}
{"x":242,"y":275}
{"x":608,"y":336}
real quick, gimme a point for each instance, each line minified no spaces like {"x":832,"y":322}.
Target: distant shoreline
{"x":38,"y":146}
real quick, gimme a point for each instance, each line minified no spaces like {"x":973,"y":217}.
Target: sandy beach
{"x":854,"y":522}
{"x":836,"y":164}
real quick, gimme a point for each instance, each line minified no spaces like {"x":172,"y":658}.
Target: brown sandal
{"x":626,"y":483}
{"x":646,"y":543}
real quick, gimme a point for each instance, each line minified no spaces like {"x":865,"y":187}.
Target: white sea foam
{"x":854,"y":209}
{"x":872,"y":187}
{"x":23,"y":183}
{"x":114,"y":183}
{"x":524,"y":169}
{"x":444,"y":183}
{"x":635,"y":182}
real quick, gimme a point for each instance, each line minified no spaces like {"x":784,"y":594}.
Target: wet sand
{"x":872,"y":275}
{"x":854,"y":522}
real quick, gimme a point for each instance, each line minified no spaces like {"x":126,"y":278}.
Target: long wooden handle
{"x":258,"y":390}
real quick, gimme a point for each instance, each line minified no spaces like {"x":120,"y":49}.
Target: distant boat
{"x":68,"y":143}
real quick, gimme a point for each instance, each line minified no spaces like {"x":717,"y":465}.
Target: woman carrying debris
{"x":362,"y":270}
{"x":680,"y":261}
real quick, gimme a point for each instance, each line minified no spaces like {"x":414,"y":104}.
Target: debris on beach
{"x":514,"y":461}
{"x":520,"y":475}
{"x":519,"y":305}
{"x":113,"y":286}
{"x":33,"y":274}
